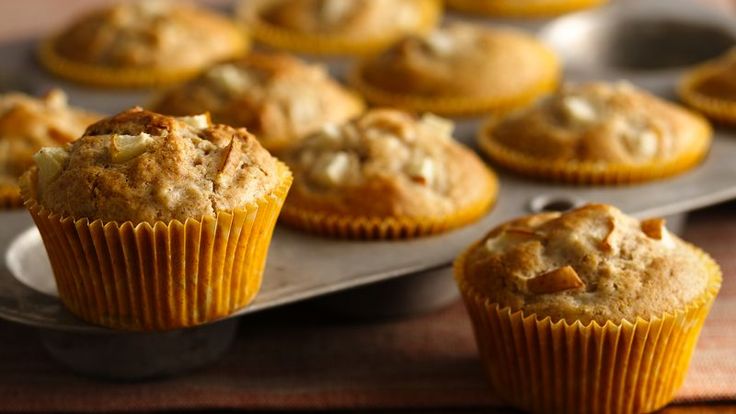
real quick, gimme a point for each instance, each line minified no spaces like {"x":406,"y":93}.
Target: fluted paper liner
{"x":310,"y":219}
{"x":330,"y":44}
{"x":595,"y":173}
{"x":460,"y":105}
{"x":10,"y":197}
{"x":626,"y":367}
{"x":164,"y":275}
{"x":106,"y":76}
{"x":517,"y":8}
{"x":718,"y":109}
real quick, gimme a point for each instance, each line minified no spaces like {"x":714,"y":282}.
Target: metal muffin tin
{"x":302,"y":266}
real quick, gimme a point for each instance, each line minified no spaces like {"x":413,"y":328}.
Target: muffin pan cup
{"x":592,"y":173}
{"x":387,"y":228}
{"x":719,"y":110}
{"x":540,"y":365}
{"x":520,"y":9}
{"x":324,"y":44}
{"x":113,"y":77}
{"x":459,"y":106}
{"x":120,"y":356}
{"x":164,"y":275}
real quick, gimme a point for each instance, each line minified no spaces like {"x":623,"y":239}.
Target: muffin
{"x":279,"y":98}
{"x":386,"y":175}
{"x":586,"y":311}
{"x":521,"y":8}
{"x":154,"y":222}
{"x":141,"y":43}
{"x":598,"y":133}
{"x":337,"y":27}
{"x":26,"y":125}
{"x":461,"y":69}
{"x":711,"y":88}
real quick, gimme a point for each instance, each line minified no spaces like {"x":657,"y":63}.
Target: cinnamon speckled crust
{"x":627,"y":270}
{"x":149,"y":34}
{"x":462,"y":60}
{"x":351,"y":19}
{"x":599,"y":122}
{"x":28,"y":123}
{"x":386,"y":163}
{"x":279,"y":98}
{"x":184,"y":171}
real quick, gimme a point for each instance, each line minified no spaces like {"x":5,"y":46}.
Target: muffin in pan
{"x":154,"y":222}
{"x":279,"y":98}
{"x":386,"y":175}
{"x":26,"y":125}
{"x":337,"y":27}
{"x":521,"y":8}
{"x":460,"y":69}
{"x":598,"y":133}
{"x":141,"y":43}
{"x":710,"y":88}
{"x":586,"y":311}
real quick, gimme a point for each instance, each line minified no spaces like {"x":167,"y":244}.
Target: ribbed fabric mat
{"x":297,"y":358}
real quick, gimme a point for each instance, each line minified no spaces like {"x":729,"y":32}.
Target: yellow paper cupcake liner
{"x":460,"y":105}
{"x":721,"y":110}
{"x":310,"y":219}
{"x":593,"y":173}
{"x":323,"y":44}
{"x":111,"y":77}
{"x":10,"y":197}
{"x":627,"y":367}
{"x":521,"y":8}
{"x":164,"y":275}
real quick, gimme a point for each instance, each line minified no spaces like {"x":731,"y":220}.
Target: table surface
{"x":23,"y":19}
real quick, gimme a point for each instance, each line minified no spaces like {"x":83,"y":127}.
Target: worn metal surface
{"x":301,"y":266}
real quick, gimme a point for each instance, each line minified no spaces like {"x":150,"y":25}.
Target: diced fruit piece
{"x":557,"y":280}
{"x":421,"y":169}
{"x":124,"y":148}
{"x":440,"y":126}
{"x":200,"y":121}
{"x":332,"y":169}
{"x":50,"y":161}
{"x":653,"y":228}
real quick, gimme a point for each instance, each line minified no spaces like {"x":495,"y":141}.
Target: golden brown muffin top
{"x":386,"y":163}
{"x":599,"y":122}
{"x":277,"y":97}
{"x":150,"y":34}
{"x":462,"y":60}
{"x":354,"y":18}
{"x":140,"y":166}
{"x":593,"y":263}
{"x":721,"y":81}
{"x":28,"y":123}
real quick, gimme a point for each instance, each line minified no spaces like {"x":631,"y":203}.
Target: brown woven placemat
{"x":299,"y":358}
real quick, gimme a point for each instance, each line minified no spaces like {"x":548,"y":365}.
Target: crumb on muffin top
{"x":140,"y":166}
{"x":599,"y":122}
{"x":28,"y":123}
{"x":150,"y":34}
{"x":277,"y":97}
{"x":387,"y":162}
{"x":593,"y":263}
{"x":462,"y":59}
